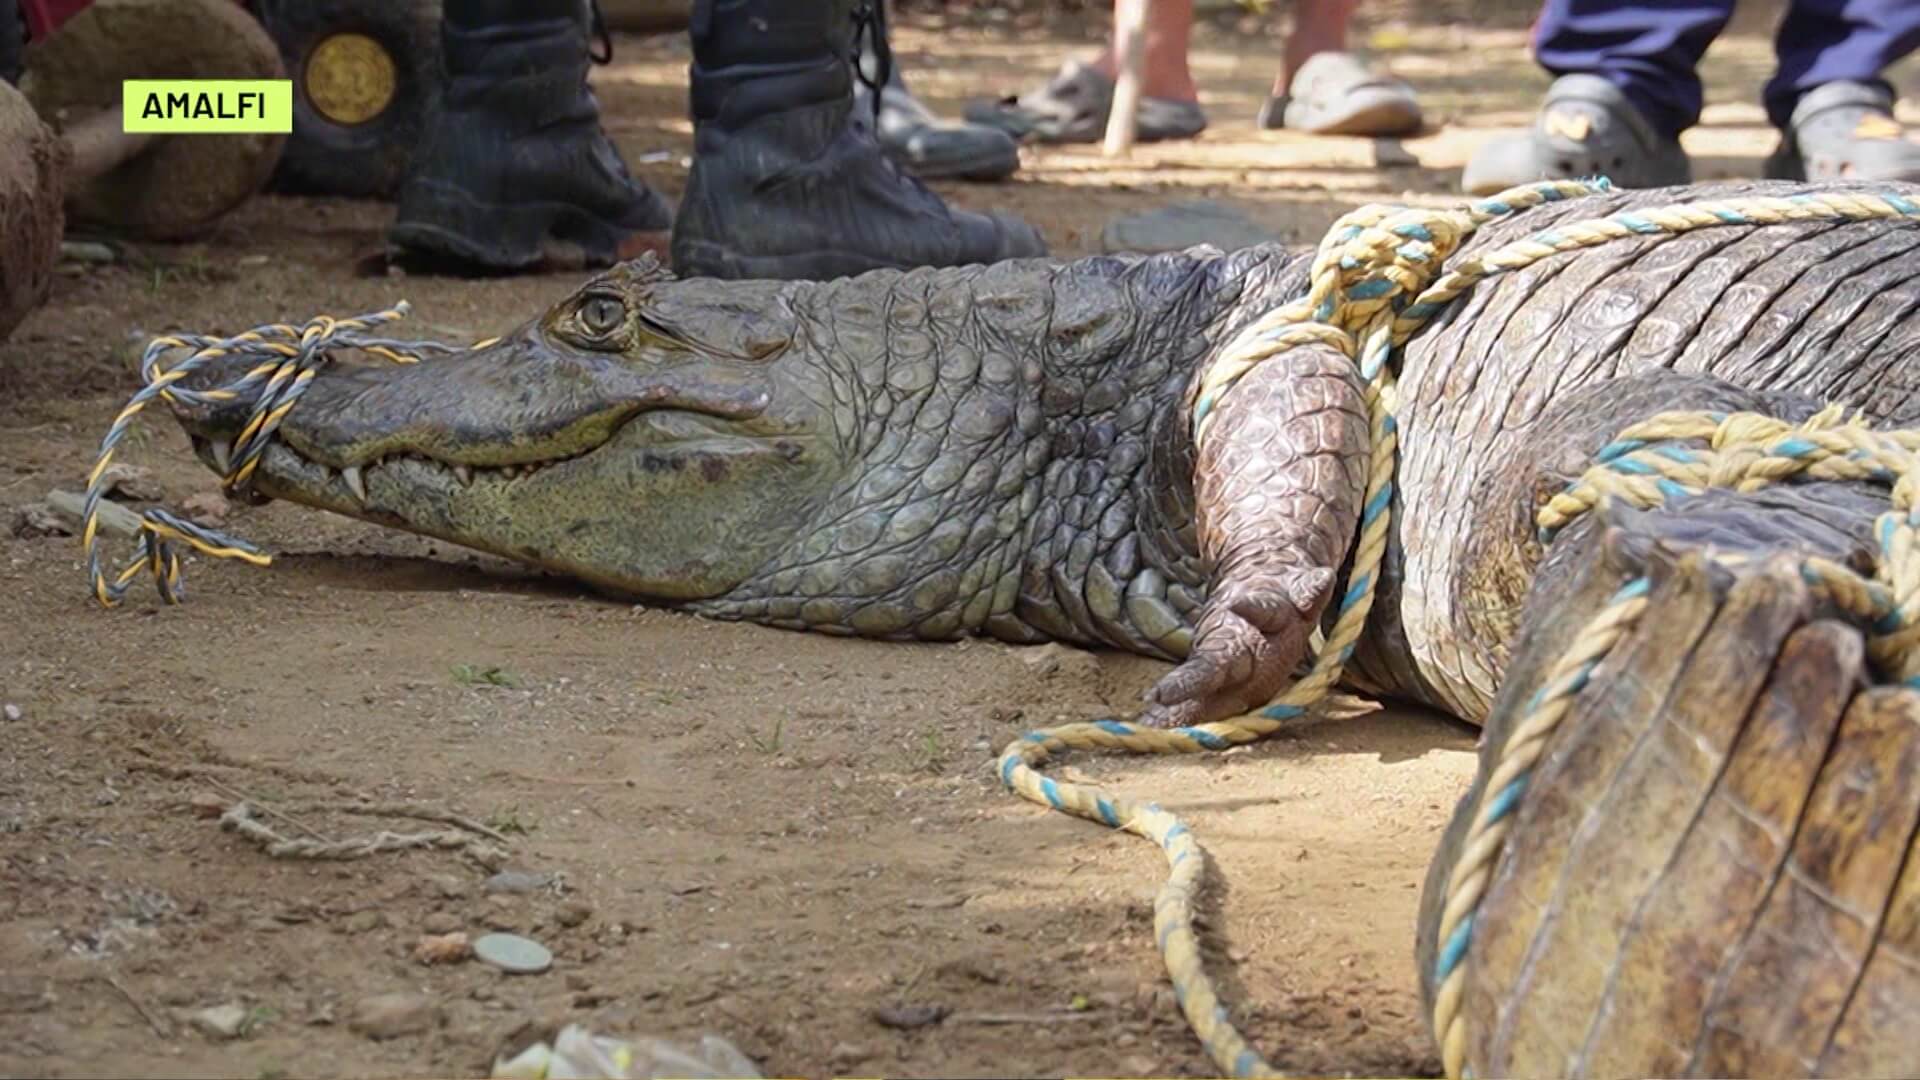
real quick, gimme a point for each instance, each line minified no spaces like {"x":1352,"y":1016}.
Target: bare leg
{"x":1164,"y":72}
{"x":1318,"y":26}
{"x":1074,"y":105}
{"x":1324,"y":89}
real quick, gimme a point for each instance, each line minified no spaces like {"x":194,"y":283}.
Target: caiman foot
{"x":1701,"y":869}
{"x":1246,"y":647}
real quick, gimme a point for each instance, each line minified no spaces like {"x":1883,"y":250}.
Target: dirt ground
{"x":755,"y":833}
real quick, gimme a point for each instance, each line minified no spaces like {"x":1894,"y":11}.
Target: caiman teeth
{"x":464,"y":474}
{"x":356,"y":482}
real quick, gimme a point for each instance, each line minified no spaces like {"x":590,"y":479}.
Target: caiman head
{"x":654,"y":437}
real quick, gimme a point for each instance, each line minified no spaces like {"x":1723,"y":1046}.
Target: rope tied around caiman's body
{"x":289,"y":357}
{"x":1378,"y":277}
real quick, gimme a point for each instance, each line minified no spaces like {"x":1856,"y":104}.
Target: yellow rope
{"x":288,"y":359}
{"x":1377,"y":279}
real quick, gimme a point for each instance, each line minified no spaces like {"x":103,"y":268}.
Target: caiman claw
{"x":1249,"y":642}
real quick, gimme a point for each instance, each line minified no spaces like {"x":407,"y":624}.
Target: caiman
{"x":1709,"y":872}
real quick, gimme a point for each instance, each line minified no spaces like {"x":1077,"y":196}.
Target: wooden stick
{"x":1129,"y":50}
{"x":100,"y":146}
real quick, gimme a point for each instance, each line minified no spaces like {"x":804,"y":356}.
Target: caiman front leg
{"x":1709,"y":868}
{"x":1277,"y":489}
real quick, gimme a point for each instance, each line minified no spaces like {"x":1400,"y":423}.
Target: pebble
{"x":442,"y":948}
{"x":389,"y":1016}
{"x":35,"y":520}
{"x":86,"y":251}
{"x":515,"y":881}
{"x":361,"y":922}
{"x":221,"y":1021}
{"x":449,"y":887}
{"x":206,"y":804}
{"x":440,"y":922}
{"x":513,"y":953}
{"x":573,"y":913}
{"x":135,"y":482}
{"x":11,"y":712}
{"x":206,"y":507}
{"x":846,"y":1054}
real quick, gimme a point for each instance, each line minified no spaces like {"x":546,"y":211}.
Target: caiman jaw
{"x":419,"y":469}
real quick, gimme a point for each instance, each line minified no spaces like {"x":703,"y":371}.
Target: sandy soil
{"x":756,"y":833}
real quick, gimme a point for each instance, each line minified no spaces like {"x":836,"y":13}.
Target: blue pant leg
{"x":1651,"y":50}
{"x":1823,"y":41}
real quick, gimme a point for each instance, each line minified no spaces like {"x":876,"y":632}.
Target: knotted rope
{"x":289,"y":357}
{"x":1377,"y":279}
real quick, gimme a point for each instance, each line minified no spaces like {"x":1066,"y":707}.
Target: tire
{"x":366,"y":76}
{"x":13,"y":41}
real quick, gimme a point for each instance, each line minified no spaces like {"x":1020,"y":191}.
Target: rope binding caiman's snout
{"x":288,"y":359}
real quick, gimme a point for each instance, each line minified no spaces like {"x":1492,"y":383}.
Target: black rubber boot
{"x":787,"y":182}
{"x":515,"y":171}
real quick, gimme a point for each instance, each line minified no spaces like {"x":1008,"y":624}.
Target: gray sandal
{"x":1845,"y":131}
{"x":1585,"y":128}
{"x":1335,"y":93}
{"x":1073,"y":107}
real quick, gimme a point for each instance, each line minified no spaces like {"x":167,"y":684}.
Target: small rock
{"x":1139,"y":1065}
{"x":34,"y":520}
{"x":573,"y":913}
{"x":221,"y":1021}
{"x":502,"y":913}
{"x":11,"y":713}
{"x":440,"y":922}
{"x":206,"y":507}
{"x":449,"y":887}
{"x":361,"y":922}
{"x":132,"y":482}
{"x":206,"y":804}
{"x":908,"y":1017}
{"x":1059,"y":662}
{"x":442,"y":948}
{"x":513,"y":953}
{"x":577,"y":980}
{"x":515,"y":881}
{"x":844,"y":1055}
{"x":389,"y":1016}
{"x":87,"y":252}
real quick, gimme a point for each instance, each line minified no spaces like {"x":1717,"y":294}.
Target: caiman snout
{"x":613,"y":438}
{"x":523,"y":400}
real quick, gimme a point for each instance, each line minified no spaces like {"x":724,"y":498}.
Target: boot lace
{"x":870,"y":28}
{"x":605,"y":53}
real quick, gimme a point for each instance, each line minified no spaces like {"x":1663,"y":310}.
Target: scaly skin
{"x":1006,"y":450}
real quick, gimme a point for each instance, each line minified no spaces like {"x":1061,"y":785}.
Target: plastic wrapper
{"x":578,"y":1054}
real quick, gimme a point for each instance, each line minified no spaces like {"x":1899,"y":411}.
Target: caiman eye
{"x":603,"y":315}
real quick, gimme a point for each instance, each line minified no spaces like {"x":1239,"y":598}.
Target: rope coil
{"x":1376,"y":280}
